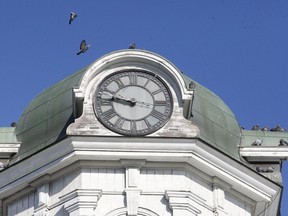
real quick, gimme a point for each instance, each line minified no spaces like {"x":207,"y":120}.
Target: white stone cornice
{"x":81,"y":201}
{"x":265,"y":153}
{"x":212,"y":162}
{"x":7,"y":149}
{"x":182,"y":201}
{"x":189,"y":151}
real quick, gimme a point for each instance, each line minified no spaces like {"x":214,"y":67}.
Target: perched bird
{"x":2,"y":165}
{"x":13,"y":124}
{"x":257,"y":142}
{"x":266,"y":128}
{"x":256,"y":127}
{"x":132,"y":46}
{"x":283,"y":142}
{"x":83,"y":47}
{"x":278,"y":128}
{"x":73,"y":16}
{"x":191,"y":85}
{"x":270,"y":169}
{"x":260,"y":169}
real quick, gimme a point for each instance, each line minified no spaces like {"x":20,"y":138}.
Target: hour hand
{"x":107,"y":96}
{"x":129,"y":101}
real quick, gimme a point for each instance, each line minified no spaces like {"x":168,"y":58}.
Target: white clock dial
{"x":133,"y":103}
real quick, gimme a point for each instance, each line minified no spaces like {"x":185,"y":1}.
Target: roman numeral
{"x":157,"y":114}
{"x":119,"y":123}
{"x":160,"y":103}
{"x":105,"y":102}
{"x":119,"y":82}
{"x":133,"y":127}
{"x":147,"y":123}
{"x":109,"y":114}
{"x":133,"y":78}
{"x":157,"y":91}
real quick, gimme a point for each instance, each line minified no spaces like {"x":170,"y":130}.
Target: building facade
{"x":132,"y":135}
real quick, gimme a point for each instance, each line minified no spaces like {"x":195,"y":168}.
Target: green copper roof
{"x":269,"y":138}
{"x":47,"y":117}
{"x":7,"y":135}
{"x":217,"y":123}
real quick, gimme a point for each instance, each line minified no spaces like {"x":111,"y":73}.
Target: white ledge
{"x":268,"y":153}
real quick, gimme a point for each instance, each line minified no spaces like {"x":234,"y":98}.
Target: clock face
{"x":133,"y":103}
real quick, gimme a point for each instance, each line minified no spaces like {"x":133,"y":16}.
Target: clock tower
{"x":133,"y":93}
{"x":130,"y":135}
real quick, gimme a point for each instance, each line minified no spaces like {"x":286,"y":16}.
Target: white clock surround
{"x":129,"y":60}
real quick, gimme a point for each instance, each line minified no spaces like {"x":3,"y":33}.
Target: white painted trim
{"x":138,"y":56}
{"x":213,"y":163}
{"x":277,"y":153}
{"x":6,"y":150}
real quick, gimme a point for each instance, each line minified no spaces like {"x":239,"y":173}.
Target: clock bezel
{"x":150,"y":129}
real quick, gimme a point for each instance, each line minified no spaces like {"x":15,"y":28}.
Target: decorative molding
{"x":41,"y":208}
{"x":81,"y":201}
{"x":132,"y":163}
{"x":219,"y":187}
{"x":180,"y":201}
{"x":123,"y":212}
{"x":106,"y":149}
{"x":8,"y":149}
{"x":132,"y":200}
{"x":41,"y":211}
{"x":43,"y":194}
{"x":132,"y":172}
{"x":265,"y":153}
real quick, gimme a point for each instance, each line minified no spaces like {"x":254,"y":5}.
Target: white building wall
{"x":103,"y":191}
{"x":24,"y":206}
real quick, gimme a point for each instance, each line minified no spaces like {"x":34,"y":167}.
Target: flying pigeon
{"x":132,"y":46}
{"x":83,"y":47}
{"x":73,"y":16}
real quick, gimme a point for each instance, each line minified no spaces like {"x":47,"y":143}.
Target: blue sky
{"x":237,"y":49}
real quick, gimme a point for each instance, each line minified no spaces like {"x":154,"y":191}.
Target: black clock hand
{"x":126,"y":100}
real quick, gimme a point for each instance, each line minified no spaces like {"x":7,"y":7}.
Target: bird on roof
{"x":283,"y":142}
{"x":278,"y":128}
{"x":73,"y":16}
{"x":257,"y":142}
{"x":2,"y":165}
{"x":260,"y":169}
{"x":266,"y":128}
{"x":83,"y":47}
{"x":256,"y":127}
{"x":270,"y":169}
{"x":132,"y":46}
{"x":191,"y":85}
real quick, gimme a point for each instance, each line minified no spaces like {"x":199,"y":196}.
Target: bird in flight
{"x":73,"y":16}
{"x":83,"y":47}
